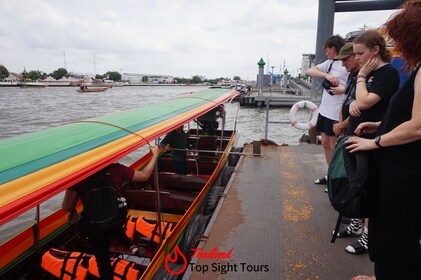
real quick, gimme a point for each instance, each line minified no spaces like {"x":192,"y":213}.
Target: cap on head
{"x":345,"y":52}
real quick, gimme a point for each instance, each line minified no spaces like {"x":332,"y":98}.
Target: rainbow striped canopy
{"x":36,"y":166}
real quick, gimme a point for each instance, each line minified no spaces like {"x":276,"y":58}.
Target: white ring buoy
{"x":297,"y":107}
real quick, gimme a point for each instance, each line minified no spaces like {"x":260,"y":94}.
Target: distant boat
{"x":32,"y":85}
{"x":222,"y":85}
{"x":92,"y":89}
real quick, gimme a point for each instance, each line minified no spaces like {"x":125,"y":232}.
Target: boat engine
{"x":208,"y":122}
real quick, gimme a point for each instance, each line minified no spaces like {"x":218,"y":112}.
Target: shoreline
{"x":128,"y":85}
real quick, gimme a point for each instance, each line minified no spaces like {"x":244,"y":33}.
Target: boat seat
{"x":207,"y":143}
{"x":179,"y":181}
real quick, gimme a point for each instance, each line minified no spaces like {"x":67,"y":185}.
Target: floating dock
{"x":273,"y":222}
{"x":274,"y":99}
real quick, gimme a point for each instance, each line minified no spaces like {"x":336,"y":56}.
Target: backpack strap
{"x":335,"y":232}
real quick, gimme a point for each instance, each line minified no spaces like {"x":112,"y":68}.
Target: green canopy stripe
{"x":27,"y":153}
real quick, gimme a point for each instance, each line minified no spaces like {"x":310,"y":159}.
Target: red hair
{"x":404,"y":27}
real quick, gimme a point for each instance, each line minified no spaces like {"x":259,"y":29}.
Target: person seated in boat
{"x":176,"y":143}
{"x":100,"y":242}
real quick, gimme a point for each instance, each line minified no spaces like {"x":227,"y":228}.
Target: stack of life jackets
{"x":148,"y":229}
{"x":76,"y":266}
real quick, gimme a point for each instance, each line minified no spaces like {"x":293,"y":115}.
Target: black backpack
{"x":347,"y":183}
{"x":101,"y":211}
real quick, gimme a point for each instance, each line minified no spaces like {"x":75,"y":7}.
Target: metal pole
{"x":267,"y":120}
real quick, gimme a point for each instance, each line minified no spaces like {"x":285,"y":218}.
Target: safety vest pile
{"x":76,"y":266}
{"x":148,"y":229}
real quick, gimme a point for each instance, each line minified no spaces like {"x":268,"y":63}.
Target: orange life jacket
{"x":147,"y":229}
{"x":122,"y":269}
{"x":64,"y":265}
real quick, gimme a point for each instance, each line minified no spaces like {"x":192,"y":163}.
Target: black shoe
{"x":359,"y":247}
{"x":139,"y":252}
{"x":342,"y":233}
{"x":356,"y":248}
{"x":321,"y":181}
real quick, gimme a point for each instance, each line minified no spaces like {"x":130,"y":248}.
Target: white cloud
{"x":180,"y":37}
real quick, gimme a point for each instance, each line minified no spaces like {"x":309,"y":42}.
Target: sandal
{"x":364,"y":277}
{"x":139,"y":252}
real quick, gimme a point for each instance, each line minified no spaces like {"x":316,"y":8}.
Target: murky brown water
{"x":27,"y":110}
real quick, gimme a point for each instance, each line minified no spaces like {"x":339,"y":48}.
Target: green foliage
{"x":4,"y":73}
{"x":59,"y":73}
{"x":34,"y":75}
{"x":145,"y":79}
{"x":113,"y":75}
{"x":196,"y":80}
{"x":100,"y":77}
{"x":182,"y":80}
{"x":236,"y":78}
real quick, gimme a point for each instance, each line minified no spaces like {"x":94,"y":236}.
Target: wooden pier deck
{"x":277,"y":222}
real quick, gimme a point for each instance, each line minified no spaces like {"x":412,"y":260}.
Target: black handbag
{"x":326,"y":84}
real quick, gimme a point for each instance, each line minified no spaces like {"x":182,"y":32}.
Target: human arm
{"x":404,"y":133}
{"x":317,"y":73}
{"x":145,"y":173}
{"x":353,"y":109}
{"x":363,"y":98}
{"x":69,"y":200}
{"x":69,"y":203}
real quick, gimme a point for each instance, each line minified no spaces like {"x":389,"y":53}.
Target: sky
{"x":181,"y":38}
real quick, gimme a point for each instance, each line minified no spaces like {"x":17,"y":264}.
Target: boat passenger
{"x":176,"y":142}
{"x":336,"y":74}
{"x":100,"y":242}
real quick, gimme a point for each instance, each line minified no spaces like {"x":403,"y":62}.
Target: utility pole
{"x":64,"y":56}
{"x":94,"y":67}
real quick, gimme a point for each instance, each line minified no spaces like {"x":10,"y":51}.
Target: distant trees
{"x":145,"y":79}
{"x":236,"y":78}
{"x":34,"y":75}
{"x":196,"y":80}
{"x":4,"y":73}
{"x":114,"y":76}
{"x":59,"y":73}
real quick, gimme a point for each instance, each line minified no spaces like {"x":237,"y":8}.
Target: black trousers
{"x":100,"y":244}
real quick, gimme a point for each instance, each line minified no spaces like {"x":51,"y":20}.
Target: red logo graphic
{"x":174,"y":259}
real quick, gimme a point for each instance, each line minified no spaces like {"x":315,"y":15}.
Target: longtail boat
{"x":40,"y":165}
{"x":92,"y":89}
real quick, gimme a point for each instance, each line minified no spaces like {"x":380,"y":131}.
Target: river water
{"x":33,"y":109}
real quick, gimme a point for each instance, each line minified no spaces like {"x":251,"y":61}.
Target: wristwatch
{"x":377,"y":141}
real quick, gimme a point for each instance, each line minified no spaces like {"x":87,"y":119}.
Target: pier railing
{"x":267,"y":121}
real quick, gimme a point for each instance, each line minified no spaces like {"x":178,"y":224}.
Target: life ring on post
{"x":297,"y":107}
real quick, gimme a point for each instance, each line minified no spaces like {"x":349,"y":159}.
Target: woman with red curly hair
{"x":395,"y":225}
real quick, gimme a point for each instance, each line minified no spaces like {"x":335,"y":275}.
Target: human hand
{"x":369,"y":66}
{"x":367,"y":128}
{"x":355,"y":144}
{"x":72,"y":217}
{"x":337,"y":90}
{"x":333,"y":80}
{"x":353,"y":109}
{"x":338,"y":129}
{"x":154,"y":150}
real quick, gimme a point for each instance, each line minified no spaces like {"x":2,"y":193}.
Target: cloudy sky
{"x":212,"y":38}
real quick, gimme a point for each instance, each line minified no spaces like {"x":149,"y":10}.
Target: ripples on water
{"x":28,"y":110}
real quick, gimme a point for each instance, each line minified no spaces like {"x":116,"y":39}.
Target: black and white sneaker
{"x":321,"y":181}
{"x":360,"y":246}
{"x":355,"y":228}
